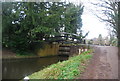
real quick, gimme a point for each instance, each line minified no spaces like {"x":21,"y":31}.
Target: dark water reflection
{"x":17,"y":69}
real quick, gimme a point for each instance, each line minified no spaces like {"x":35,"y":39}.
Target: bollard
{"x":26,"y":78}
{"x":79,"y":51}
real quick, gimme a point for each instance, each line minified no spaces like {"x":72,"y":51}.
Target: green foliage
{"x":64,"y":70}
{"x":73,"y":18}
{"x":26,"y":23}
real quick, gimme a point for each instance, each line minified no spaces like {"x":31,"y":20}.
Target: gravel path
{"x":103,"y":65}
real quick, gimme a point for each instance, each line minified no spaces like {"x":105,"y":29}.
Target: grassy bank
{"x":64,"y":70}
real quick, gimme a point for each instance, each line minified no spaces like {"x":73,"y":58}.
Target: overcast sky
{"x":90,"y":22}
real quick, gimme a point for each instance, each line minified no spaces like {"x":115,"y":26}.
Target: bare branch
{"x":107,"y":11}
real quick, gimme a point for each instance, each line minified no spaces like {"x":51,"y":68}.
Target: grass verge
{"x":64,"y":70}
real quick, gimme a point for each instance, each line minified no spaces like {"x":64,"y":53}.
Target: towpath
{"x":103,"y":65}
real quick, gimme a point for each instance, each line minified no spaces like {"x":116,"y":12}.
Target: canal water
{"x":19,"y":68}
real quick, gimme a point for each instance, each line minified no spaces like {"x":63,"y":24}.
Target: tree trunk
{"x":119,"y":33}
{"x":118,"y":24}
{"x":119,"y":41}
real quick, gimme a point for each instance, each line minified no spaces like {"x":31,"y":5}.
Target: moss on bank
{"x":64,"y":70}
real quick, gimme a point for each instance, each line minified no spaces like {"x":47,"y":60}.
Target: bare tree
{"x":107,"y":11}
